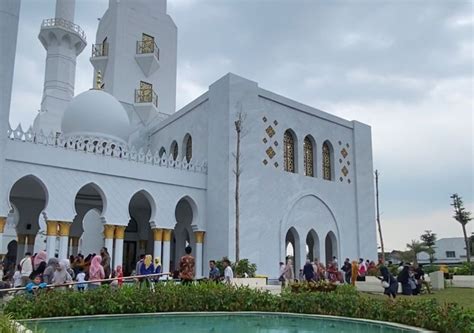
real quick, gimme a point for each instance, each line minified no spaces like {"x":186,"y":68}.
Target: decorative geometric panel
{"x":340,"y":160}
{"x":308,"y":157}
{"x":275,"y":122}
{"x":348,"y":162}
{"x":275,"y":164}
{"x":264,"y":119}
{"x":275,"y":143}
{"x":344,"y":152}
{"x":289,"y":152}
{"x":270,"y":152}
{"x":265,"y":140}
{"x":341,"y":179}
{"x":344,"y":171}
{"x":326,"y":162}
{"x":349,"y":181}
{"x":340,"y":143}
{"x":265,"y":162}
{"x":347,"y":145}
{"x":270,"y":131}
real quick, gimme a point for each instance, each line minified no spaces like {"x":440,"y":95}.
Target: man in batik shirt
{"x":186,"y":267}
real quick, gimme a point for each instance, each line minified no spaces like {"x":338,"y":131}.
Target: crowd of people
{"x":410,"y":277}
{"x":36,"y":272}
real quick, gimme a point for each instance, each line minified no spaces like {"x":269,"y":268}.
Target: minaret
{"x":64,"y":41}
{"x":9,"y":16}
{"x":136,"y":51}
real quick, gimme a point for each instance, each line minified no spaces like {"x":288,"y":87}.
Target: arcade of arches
{"x":27,"y":230}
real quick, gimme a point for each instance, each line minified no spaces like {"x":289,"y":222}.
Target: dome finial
{"x":98,"y":81}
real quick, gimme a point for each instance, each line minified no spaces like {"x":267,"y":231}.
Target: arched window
{"x":174,"y":150}
{"x":162,"y":151}
{"x":289,"y":152}
{"x":327,"y":163}
{"x":189,"y":149}
{"x":308,"y":157}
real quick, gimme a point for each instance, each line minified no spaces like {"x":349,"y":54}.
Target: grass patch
{"x":462,"y":296}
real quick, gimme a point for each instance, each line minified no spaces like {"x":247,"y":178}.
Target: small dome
{"x":98,"y":114}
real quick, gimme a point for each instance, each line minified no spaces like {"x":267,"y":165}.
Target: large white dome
{"x":96,"y":113}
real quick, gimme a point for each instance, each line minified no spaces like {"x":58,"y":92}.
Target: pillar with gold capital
{"x":157,"y":239}
{"x":51,"y":234}
{"x":21,"y":247}
{"x":30,"y":243}
{"x":199,"y":260}
{"x":166,"y":250}
{"x":3,"y":221}
{"x":64,"y":227}
{"x":109,"y":230}
{"x":118,"y":250}
{"x":74,"y":245}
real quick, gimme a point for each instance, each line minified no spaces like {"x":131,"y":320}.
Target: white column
{"x":64,"y":228}
{"x":322,"y":251}
{"x":109,"y":244}
{"x":109,"y":230}
{"x":3,"y":221}
{"x":166,"y":250}
{"x":157,"y":241}
{"x":118,"y":253}
{"x":199,"y":260}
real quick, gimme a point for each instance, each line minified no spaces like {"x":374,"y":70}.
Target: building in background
{"x":447,"y":251}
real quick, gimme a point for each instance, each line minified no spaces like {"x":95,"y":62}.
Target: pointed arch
{"x":30,"y":185}
{"x":328,"y":161}
{"x":331,"y":246}
{"x":92,"y":195}
{"x":144,"y":198}
{"x":312,"y":243}
{"x":162,"y":152}
{"x":289,"y":151}
{"x":309,"y":154}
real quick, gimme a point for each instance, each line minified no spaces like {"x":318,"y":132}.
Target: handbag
{"x":385,"y":284}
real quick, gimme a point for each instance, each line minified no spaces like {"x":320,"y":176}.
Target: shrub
{"x":320,"y":286}
{"x":239,"y":268}
{"x":343,"y":301}
{"x":464,"y":269}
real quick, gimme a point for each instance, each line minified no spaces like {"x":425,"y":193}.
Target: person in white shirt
{"x":228,"y":273}
{"x":17,"y":277}
{"x":81,"y":278}
{"x":26,"y":265}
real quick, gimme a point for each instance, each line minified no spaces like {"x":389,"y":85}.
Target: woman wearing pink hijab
{"x":96,"y":272}
{"x":42,"y":256}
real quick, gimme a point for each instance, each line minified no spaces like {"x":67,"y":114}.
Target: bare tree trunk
{"x":378,"y":214}
{"x":238,"y":128}
{"x":466,"y":240}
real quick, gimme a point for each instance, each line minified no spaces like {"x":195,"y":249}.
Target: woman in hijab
{"x":389,"y":283}
{"x":39,"y":271}
{"x":96,"y":272}
{"x":48,"y":273}
{"x":61,"y":275}
{"x":355,"y":272}
{"x":147,"y":268}
{"x":157,"y":268}
{"x":404,"y":279}
{"x":42,"y":256}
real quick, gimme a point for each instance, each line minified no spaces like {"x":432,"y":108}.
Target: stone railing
{"x":105,"y":147}
{"x":68,"y":25}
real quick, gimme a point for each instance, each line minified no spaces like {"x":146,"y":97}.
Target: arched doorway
{"x":138,"y":235}
{"x":331,"y":247}
{"x":292,"y":244}
{"x":29,"y":197}
{"x":312,"y":246}
{"x":183,"y":233}
{"x":87,"y":226}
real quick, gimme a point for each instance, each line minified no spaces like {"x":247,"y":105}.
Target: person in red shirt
{"x":186,"y":267}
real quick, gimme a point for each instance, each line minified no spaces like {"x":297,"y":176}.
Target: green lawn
{"x":462,"y":296}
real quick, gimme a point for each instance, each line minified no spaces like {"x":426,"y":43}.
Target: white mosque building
{"x":118,"y":166}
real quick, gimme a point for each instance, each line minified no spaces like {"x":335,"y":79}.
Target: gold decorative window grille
{"x":189,"y":149}
{"x":145,"y":92}
{"x":148,"y":43}
{"x":270,"y":152}
{"x":326,"y":161}
{"x":270,"y":131}
{"x":308,"y":157}
{"x":289,"y":152}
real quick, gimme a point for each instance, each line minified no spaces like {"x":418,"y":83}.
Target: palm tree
{"x":463,"y":217}
{"x":416,"y":247}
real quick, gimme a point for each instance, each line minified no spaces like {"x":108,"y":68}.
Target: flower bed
{"x":343,"y":301}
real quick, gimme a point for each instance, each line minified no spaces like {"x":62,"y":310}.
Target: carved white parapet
{"x":105,"y":147}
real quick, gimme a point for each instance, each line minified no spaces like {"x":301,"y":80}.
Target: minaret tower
{"x":136,"y":51}
{"x":64,"y":41}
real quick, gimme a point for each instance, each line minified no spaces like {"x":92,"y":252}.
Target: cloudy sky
{"x":404,"y":67}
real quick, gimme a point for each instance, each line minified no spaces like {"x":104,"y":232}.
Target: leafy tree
{"x":429,"y":240}
{"x":414,"y":248}
{"x":462,"y":216}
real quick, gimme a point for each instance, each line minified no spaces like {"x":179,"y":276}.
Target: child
{"x":35,"y":285}
{"x":81,"y":278}
{"x":17,"y":277}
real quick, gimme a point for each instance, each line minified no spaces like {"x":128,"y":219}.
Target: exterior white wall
{"x":444,"y":245}
{"x":123,"y":25}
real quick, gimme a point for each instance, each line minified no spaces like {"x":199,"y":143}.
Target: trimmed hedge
{"x":344,"y":301}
